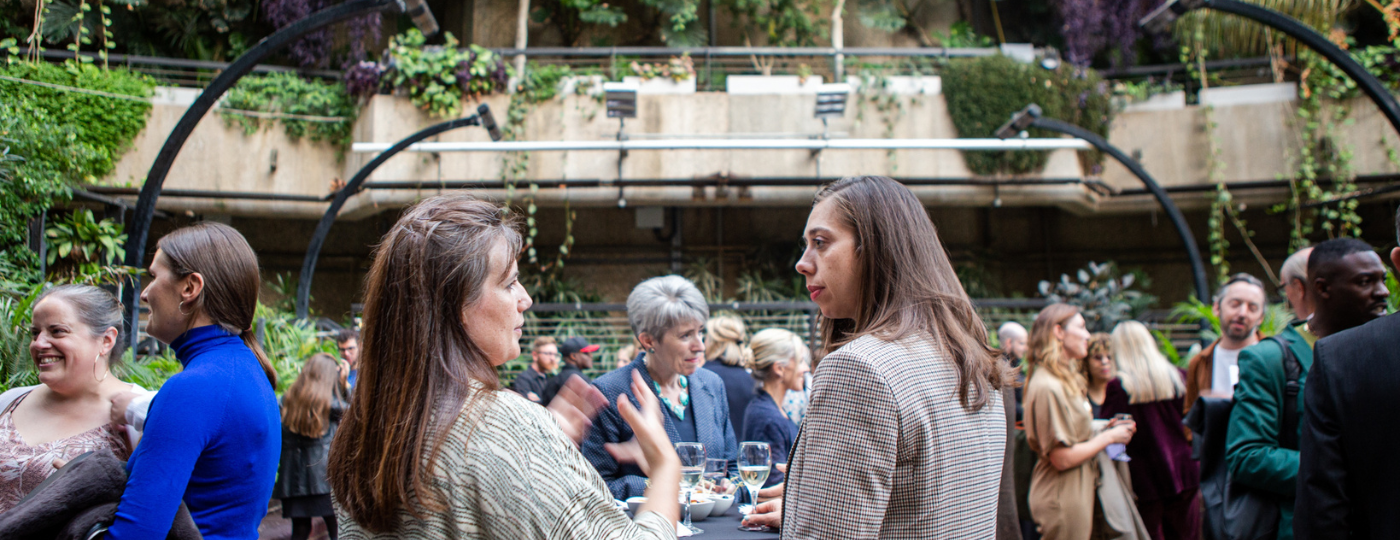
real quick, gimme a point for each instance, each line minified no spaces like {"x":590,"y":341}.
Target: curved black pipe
{"x":155,"y":178}
{"x":313,"y":250}
{"x":1163,"y":16}
{"x":1198,"y":267}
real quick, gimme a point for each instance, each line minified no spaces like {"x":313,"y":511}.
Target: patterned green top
{"x":507,"y":471}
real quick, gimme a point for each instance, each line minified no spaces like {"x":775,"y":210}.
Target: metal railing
{"x":605,"y":324}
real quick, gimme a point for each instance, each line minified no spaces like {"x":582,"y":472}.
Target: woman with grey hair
{"x":668,"y":316}
{"x":75,"y":333}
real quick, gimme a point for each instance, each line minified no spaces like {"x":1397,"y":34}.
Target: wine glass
{"x":755,"y":461}
{"x":692,"y":466}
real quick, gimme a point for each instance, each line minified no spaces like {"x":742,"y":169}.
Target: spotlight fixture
{"x":831,"y":100}
{"x":621,"y":99}
{"x":1019,"y":122}
{"x":422,"y":17}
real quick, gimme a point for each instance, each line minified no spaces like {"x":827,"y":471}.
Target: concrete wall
{"x":1258,"y":142}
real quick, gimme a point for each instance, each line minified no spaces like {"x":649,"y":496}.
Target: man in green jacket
{"x":1346,"y":283}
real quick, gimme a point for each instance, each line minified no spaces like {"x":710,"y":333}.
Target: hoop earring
{"x":96,"y":361}
{"x":181,"y":309}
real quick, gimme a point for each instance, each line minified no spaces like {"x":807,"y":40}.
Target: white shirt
{"x":1225,"y":370}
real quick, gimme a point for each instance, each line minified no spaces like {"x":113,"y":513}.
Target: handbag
{"x":1251,"y":514}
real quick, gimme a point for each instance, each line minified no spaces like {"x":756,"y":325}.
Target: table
{"x":726,"y":527}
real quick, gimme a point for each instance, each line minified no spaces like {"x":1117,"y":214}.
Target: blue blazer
{"x":709,"y":403}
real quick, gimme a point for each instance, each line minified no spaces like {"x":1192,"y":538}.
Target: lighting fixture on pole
{"x":1030,"y":117}
{"x":831,"y":102}
{"x":422,"y":17}
{"x":620,"y":99}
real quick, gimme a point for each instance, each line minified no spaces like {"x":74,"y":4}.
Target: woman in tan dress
{"x":1059,"y":428}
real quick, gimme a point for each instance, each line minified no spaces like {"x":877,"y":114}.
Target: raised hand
{"x":575,"y":407}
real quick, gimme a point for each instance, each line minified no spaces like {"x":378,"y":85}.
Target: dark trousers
{"x":1173,"y":518}
{"x":301,"y":528}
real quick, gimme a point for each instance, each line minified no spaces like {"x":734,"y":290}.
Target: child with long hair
{"x":311,"y":410}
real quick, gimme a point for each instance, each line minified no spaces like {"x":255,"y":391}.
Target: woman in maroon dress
{"x":1165,"y":478}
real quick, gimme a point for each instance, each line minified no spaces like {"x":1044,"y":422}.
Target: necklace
{"x":678,"y":406}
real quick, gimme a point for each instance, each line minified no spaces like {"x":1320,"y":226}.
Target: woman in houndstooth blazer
{"x":905,"y":433}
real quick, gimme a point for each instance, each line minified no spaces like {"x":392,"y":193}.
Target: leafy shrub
{"x":983,"y":93}
{"x":438,"y":78}
{"x":1103,"y":295}
{"x":288,"y":93}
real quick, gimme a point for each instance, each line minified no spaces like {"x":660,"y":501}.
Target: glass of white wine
{"x":755,"y":461}
{"x":692,"y":466}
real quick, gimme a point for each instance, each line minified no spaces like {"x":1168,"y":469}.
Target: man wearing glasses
{"x":531,"y":382}
{"x":348,"y":343}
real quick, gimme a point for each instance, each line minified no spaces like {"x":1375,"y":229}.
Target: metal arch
{"x":318,"y":239}
{"x":155,"y":178}
{"x":1163,"y":16}
{"x":1198,"y":267}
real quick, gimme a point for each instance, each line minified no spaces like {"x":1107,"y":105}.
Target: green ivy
{"x":288,"y":93}
{"x":983,"y":93}
{"x":437,"y":79}
{"x":52,"y":138}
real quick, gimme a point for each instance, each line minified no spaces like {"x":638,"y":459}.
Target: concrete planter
{"x":662,"y":85}
{"x":1169,"y":101}
{"x":906,"y":85}
{"x":1249,"y":94}
{"x":592,"y":85}
{"x":773,"y":84}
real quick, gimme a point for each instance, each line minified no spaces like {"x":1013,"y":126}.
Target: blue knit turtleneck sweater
{"x":213,"y":439}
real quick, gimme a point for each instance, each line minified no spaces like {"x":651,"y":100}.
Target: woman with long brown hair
{"x":311,"y":410}
{"x":905,"y":420}
{"x":212,"y":436}
{"x":432,"y":447}
{"x":1060,"y":430}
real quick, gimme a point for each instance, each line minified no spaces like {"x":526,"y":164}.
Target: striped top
{"x":507,"y":471}
{"x":887,"y":451}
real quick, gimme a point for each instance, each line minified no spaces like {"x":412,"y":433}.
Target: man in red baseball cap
{"x":578,"y":356}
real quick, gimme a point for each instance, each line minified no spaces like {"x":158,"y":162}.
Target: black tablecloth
{"x":726,"y":527}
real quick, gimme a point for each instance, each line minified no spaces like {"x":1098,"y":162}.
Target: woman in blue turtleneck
{"x":213,"y":434}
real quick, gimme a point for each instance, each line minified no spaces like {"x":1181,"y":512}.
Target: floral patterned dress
{"x":24,"y":467}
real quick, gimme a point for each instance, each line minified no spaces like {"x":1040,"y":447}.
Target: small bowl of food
{"x":700,"y":507}
{"x":722,"y":504}
{"x":633,"y":503}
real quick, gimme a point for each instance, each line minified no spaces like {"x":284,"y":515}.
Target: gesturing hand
{"x":119,"y":403}
{"x":575,"y":406}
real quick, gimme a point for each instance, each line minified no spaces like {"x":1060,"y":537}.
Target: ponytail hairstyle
{"x":306,"y":406}
{"x":220,"y":255}
{"x":724,"y":339}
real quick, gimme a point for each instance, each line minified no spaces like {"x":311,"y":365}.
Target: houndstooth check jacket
{"x":887,"y":451}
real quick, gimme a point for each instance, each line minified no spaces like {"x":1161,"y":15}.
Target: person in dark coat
{"x":1348,"y":485}
{"x":780,"y":360}
{"x":726,"y":355}
{"x":578,"y":356}
{"x":311,"y":410}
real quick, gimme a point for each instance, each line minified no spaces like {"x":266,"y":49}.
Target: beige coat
{"x":1062,"y":502}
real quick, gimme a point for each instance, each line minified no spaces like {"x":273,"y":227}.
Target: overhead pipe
{"x":990,"y":145}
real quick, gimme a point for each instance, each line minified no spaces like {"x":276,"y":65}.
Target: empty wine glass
{"x":692,"y":466}
{"x":755,"y":462}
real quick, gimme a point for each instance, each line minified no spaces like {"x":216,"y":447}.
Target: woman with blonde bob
{"x":432,"y":447}
{"x":780,"y":359}
{"x":1060,"y":429}
{"x":1165,"y":478}
{"x":728,"y":357}
{"x":905,"y":419}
